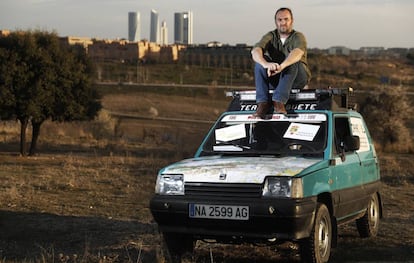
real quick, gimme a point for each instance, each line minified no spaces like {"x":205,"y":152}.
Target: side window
{"x":342,"y":131}
{"x":359,"y":129}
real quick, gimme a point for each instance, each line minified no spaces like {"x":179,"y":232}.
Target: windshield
{"x":301,"y":133}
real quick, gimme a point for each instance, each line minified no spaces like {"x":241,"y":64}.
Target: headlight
{"x":170,"y":184}
{"x":283,"y":187}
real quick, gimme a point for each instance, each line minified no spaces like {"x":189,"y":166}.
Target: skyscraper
{"x":183,"y":28}
{"x":134,"y":25}
{"x":155,"y":27}
{"x":164,"y":33}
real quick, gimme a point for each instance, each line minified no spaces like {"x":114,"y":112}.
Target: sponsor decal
{"x":301,"y":131}
{"x":302,"y":106}
{"x":248,"y":107}
{"x":289,"y":106}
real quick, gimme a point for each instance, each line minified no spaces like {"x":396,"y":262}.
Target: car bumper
{"x":283,"y":219}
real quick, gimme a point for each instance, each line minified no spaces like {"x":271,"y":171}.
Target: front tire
{"x":368,"y":225}
{"x":317,"y":247}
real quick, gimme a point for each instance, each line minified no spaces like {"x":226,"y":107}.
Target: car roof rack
{"x":305,"y":99}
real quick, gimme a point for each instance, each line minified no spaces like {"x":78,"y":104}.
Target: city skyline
{"x":183,"y":28}
{"x":325,"y":23}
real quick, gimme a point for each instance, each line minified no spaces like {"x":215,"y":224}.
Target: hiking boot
{"x":262,"y":109}
{"x":279,"y":107}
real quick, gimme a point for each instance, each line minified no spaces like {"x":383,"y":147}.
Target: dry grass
{"x":144,"y":103}
{"x":85,"y":197}
{"x":95,"y":207}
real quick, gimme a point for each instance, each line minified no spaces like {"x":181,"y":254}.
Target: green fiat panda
{"x":287,"y":177}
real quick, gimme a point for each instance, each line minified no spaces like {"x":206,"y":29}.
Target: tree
{"x":41,"y":79}
{"x":386,"y":113}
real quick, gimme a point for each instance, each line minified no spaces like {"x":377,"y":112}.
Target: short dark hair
{"x":284,"y":9}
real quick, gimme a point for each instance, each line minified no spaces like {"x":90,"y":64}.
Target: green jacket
{"x":275,"y":51}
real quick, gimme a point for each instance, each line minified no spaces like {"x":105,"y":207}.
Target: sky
{"x":325,"y":23}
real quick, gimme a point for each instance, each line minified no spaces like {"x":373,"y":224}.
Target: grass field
{"x":85,"y":197}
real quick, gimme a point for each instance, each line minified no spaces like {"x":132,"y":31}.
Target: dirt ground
{"x":85,"y":199}
{"x":96,"y":220}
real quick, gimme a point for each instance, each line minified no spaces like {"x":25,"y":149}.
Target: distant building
{"x":122,"y":51}
{"x":183,"y":28}
{"x":78,"y":41}
{"x":372,"y":50}
{"x":164,"y":33}
{"x":170,"y":53}
{"x":339,"y":50}
{"x":115,"y":51}
{"x":4,"y":33}
{"x":134,"y":24}
{"x":397,"y":52}
{"x":215,"y":54}
{"x":154,"y":27}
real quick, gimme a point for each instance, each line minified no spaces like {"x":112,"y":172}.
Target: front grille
{"x":223,"y":190}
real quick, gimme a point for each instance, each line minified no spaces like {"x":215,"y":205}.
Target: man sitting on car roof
{"x":281,"y":64}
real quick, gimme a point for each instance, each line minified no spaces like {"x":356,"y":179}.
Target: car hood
{"x":237,"y":169}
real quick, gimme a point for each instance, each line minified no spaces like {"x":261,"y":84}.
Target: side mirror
{"x":352,"y":143}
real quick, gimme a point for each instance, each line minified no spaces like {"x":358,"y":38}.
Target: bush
{"x":386,"y":113}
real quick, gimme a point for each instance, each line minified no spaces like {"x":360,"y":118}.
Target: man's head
{"x":284,"y":20}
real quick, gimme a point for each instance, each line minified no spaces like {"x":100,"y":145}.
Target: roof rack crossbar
{"x":308,"y":99}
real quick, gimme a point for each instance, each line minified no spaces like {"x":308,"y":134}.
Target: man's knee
{"x":259,"y":70}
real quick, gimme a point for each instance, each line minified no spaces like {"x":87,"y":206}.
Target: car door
{"x":366,"y":151}
{"x":349,"y":191}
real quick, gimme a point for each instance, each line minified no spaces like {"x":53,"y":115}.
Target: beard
{"x":284,"y":30}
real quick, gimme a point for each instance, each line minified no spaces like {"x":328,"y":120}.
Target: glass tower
{"x":134,"y":26}
{"x":155,"y":27}
{"x":183,"y":28}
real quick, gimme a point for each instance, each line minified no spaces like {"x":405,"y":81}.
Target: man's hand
{"x":273,"y":69}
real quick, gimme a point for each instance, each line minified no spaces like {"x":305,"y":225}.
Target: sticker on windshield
{"x":300,"y":131}
{"x":230,"y":133}
{"x":227,"y":148}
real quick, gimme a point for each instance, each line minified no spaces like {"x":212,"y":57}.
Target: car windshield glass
{"x":293,"y":134}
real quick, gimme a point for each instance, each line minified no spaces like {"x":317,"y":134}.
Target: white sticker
{"x":227,"y":148}
{"x":359,"y":130}
{"x":301,"y":131}
{"x":230,"y":133}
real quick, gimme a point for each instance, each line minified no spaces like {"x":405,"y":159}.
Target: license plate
{"x":219,"y":212}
